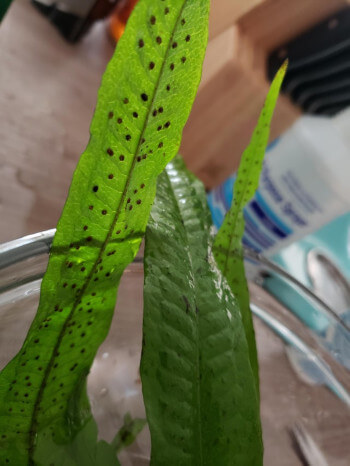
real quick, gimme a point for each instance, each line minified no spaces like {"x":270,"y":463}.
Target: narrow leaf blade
{"x":197,"y":381}
{"x":143,"y":103}
{"x":227,"y":248}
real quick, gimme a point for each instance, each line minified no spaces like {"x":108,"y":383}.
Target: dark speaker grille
{"x":318,"y":77}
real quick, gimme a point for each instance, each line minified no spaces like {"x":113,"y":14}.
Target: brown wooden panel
{"x":276,"y":21}
{"x":227,"y":107}
{"x":225,"y":13}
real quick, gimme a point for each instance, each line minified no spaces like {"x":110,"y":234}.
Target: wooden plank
{"x":227,"y":107}
{"x":274,"y":22}
{"x":225,"y":13}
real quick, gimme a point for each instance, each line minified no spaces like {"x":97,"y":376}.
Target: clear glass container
{"x":305,"y":397}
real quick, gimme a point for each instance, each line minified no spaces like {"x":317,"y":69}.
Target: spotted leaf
{"x":143,"y":103}
{"x":228,"y":249}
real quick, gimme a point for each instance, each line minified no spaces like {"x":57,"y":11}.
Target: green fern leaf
{"x":197,"y":381}
{"x":143,"y":103}
{"x":227,"y":248}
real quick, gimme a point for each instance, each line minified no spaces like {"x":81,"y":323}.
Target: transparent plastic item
{"x":304,"y":184}
{"x":300,"y":382}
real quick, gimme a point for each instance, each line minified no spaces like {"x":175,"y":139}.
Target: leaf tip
{"x":284,"y":67}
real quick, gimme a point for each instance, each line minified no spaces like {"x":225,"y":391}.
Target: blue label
{"x":263,"y":226}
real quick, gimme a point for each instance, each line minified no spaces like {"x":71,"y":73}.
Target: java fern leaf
{"x":228,"y":250}
{"x":146,"y":95}
{"x":197,"y":381}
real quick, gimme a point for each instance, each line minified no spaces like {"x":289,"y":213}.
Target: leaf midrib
{"x":197,"y":378}
{"x":33,"y":422}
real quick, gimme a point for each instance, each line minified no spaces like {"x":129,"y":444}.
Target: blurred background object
{"x":73,"y":18}
{"x":120,"y":17}
{"x":318,"y":76}
{"x":236,"y":76}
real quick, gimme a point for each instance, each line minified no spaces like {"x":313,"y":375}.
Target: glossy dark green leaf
{"x":228,"y":249}
{"x":143,"y":103}
{"x":197,"y":380}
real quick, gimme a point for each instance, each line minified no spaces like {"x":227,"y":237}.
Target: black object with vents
{"x":318,"y":77}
